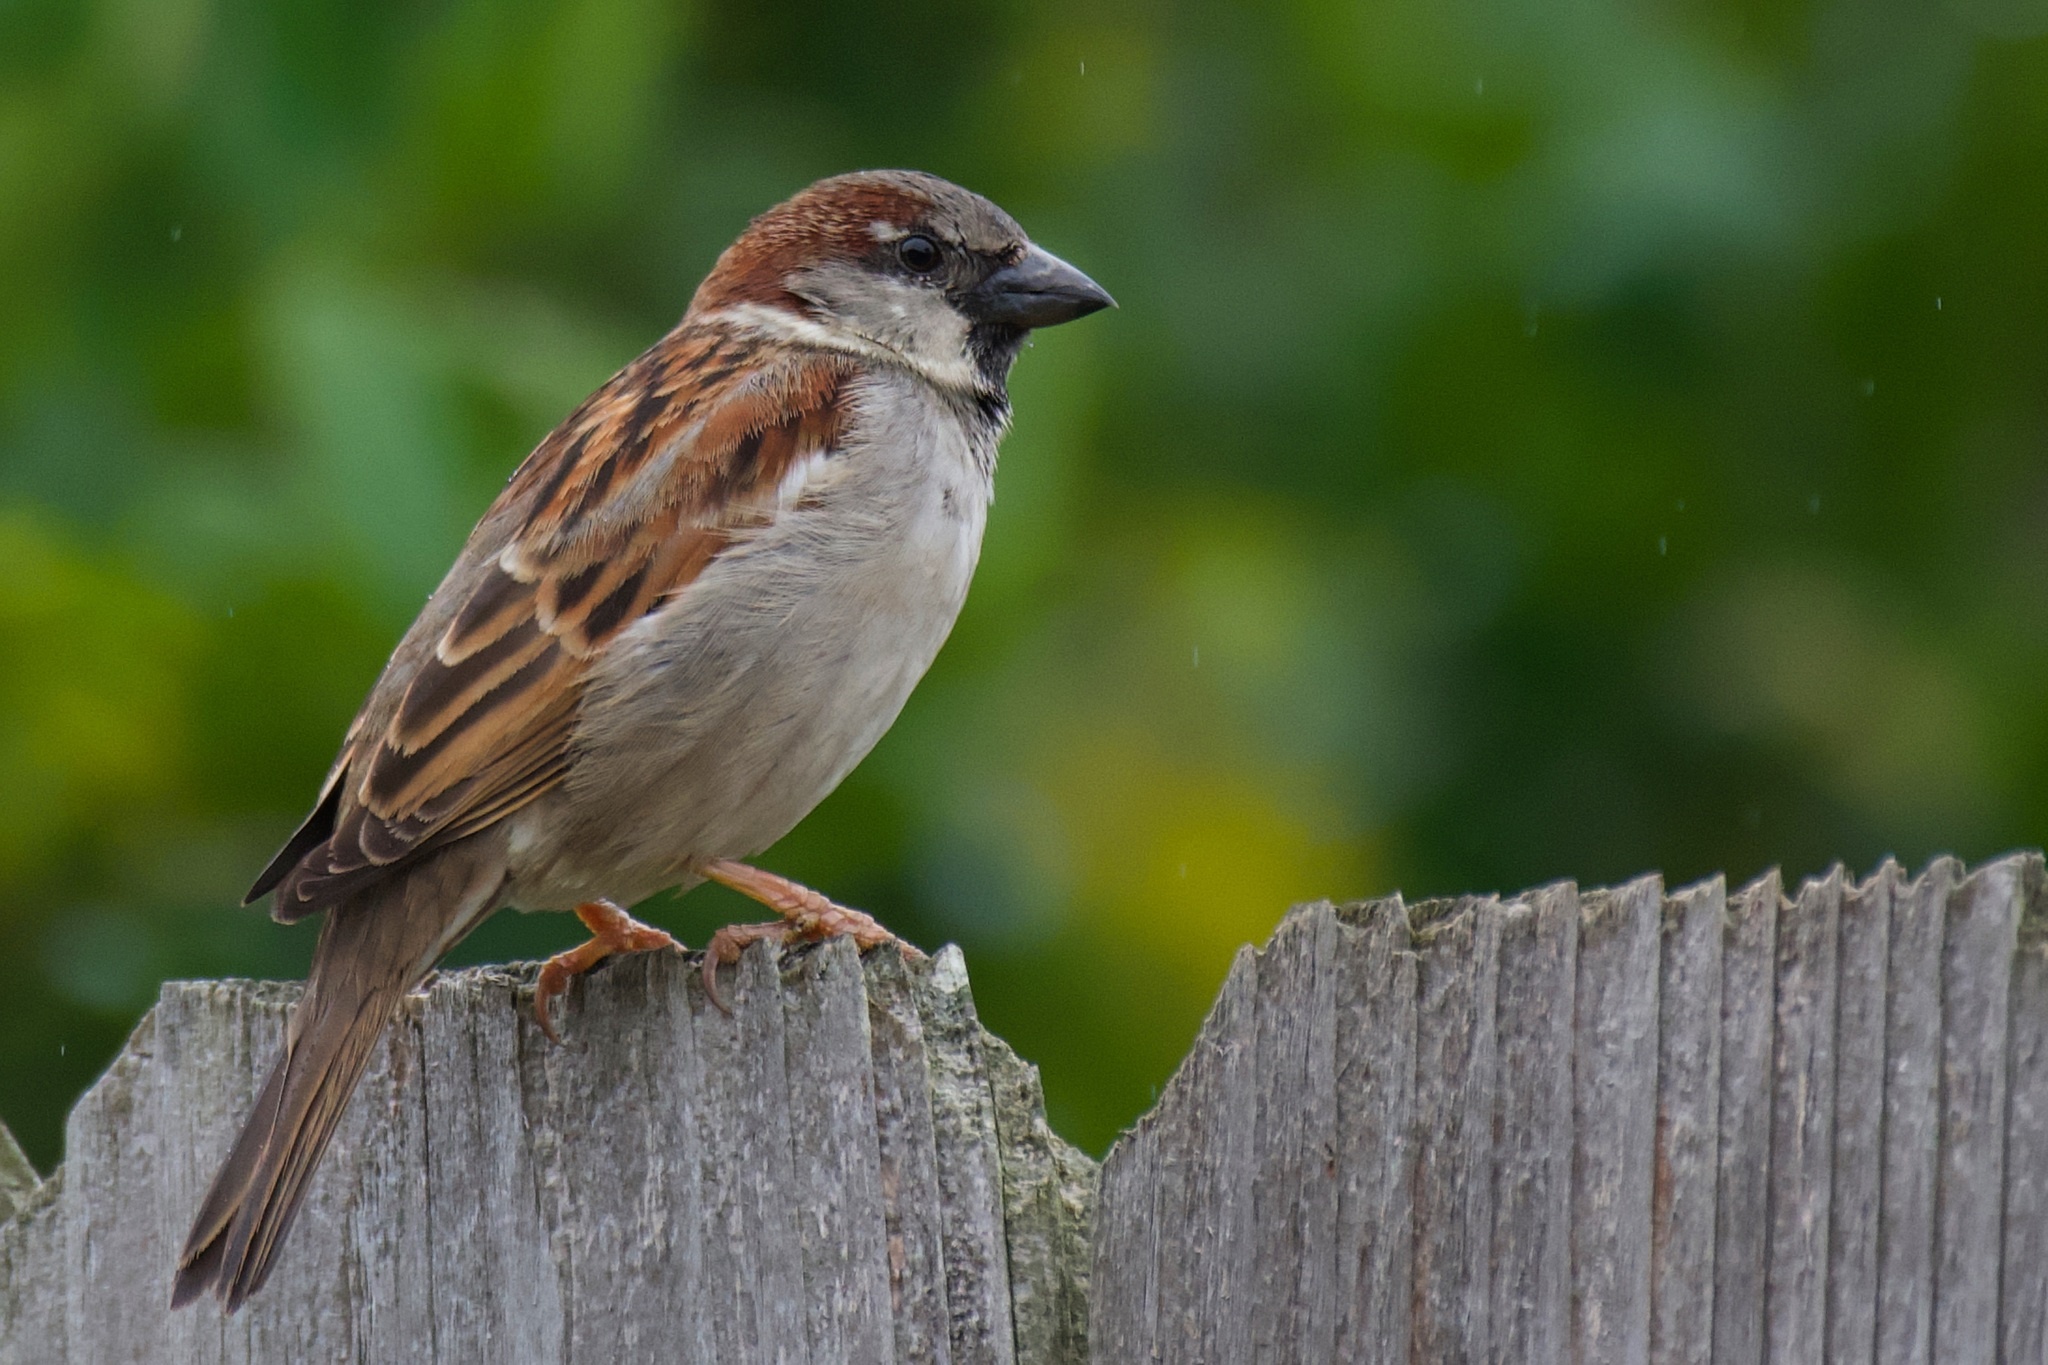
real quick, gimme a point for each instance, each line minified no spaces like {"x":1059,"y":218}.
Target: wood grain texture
{"x":1531,"y":1305}
{"x":1293,"y":1308}
{"x":1802,"y":1124}
{"x":1614,"y":1112}
{"x":1862,"y":957}
{"x":1374,"y":1143}
{"x":1912,"y":1108}
{"x":1976,"y":973}
{"x":908,"y":1152}
{"x":2023,"y":1294}
{"x":670,"y":1184}
{"x":1174,"y":1232}
{"x":1203,"y":1242}
{"x":1456,"y":1079}
{"x":1688,"y":1125}
{"x":1049,"y":1206}
{"x":1123,"y":1301}
{"x":1741,"y":1199}
{"x":964,"y":1136}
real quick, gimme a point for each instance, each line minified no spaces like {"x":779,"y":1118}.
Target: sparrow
{"x":693,"y":609}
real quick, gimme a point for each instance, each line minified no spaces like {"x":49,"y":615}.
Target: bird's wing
{"x":621,"y":507}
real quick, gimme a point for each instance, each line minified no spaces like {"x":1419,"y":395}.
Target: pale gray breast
{"x":716,"y":723}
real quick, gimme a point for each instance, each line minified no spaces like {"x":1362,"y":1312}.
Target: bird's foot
{"x":612,"y":930}
{"x":807,"y":916}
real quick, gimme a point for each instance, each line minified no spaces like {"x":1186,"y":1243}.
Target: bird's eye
{"x":919,"y":254}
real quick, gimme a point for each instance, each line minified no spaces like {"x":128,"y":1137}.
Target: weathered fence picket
{"x":1862,"y":954}
{"x":1688,"y":1125}
{"x":1912,"y":1106}
{"x":1619,"y":1125}
{"x":1802,"y":1123}
{"x":1530,"y":1313}
{"x":2023,"y":1296}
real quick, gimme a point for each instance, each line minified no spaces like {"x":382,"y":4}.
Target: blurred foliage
{"x":1537,"y":440}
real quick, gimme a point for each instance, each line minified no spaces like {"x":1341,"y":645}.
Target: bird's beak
{"x":1040,"y":290}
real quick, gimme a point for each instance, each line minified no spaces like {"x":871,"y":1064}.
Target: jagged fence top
{"x":1612,"y":1125}
{"x":1617,"y":1124}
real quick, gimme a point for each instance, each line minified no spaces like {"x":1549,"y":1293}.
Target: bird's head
{"x":904,"y":264}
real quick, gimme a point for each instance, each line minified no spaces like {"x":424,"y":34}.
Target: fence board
{"x":835,"y":1163}
{"x":2023,"y":1295}
{"x":1862,"y":954}
{"x":1294,"y":1189}
{"x":1530,"y":1313}
{"x":1802,"y":1124}
{"x":1049,"y":1203}
{"x":1742,"y":1204}
{"x":970,"y":1178}
{"x":1614,"y":1111}
{"x":1212,"y":1318}
{"x":1912,"y":1107}
{"x":1374,"y":1142}
{"x":908,"y":1148}
{"x":1976,"y":965}
{"x":1458,"y":947}
{"x":1688,"y":1125}
{"x":1123,"y":1312}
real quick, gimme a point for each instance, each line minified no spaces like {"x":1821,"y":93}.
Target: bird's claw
{"x":612,"y":930}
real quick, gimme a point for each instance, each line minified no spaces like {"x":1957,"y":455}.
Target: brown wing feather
{"x":619,"y":508}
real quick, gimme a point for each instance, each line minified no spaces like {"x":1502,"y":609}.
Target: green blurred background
{"x":1538,"y":440}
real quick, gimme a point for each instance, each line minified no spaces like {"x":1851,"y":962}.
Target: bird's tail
{"x":373,"y":948}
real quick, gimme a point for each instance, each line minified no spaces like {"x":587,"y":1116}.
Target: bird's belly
{"x":719,"y":721}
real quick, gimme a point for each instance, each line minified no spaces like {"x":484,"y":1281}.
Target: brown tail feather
{"x":373,"y":948}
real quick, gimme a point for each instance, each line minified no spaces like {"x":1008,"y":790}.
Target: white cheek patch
{"x":868,"y":314}
{"x":782,"y":325}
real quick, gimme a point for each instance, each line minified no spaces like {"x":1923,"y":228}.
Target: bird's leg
{"x":612,"y":930}
{"x":807,"y":916}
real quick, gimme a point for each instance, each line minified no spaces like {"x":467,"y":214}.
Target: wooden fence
{"x":1616,"y":1125}
{"x":847,"y":1169}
